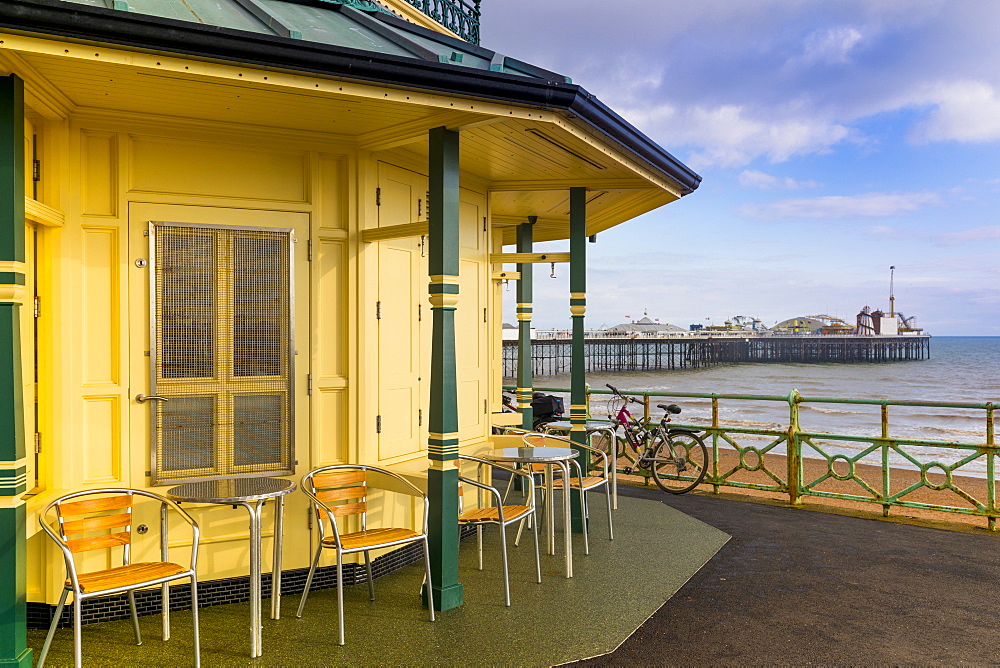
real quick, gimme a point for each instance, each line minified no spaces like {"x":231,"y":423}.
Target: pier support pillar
{"x":577,"y":309}
{"x":525,"y":241}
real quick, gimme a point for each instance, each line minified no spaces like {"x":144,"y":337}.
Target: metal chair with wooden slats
{"x":586,"y":482}
{"x":101,"y":519}
{"x":498,"y":514}
{"x":342,"y":491}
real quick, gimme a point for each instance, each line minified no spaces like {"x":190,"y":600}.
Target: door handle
{"x":143,"y":398}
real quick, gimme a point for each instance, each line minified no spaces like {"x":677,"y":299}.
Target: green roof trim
{"x":363,"y":5}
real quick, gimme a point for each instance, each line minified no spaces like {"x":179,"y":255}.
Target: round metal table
{"x":549,"y":457}
{"x":592,"y":427}
{"x":252,"y":494}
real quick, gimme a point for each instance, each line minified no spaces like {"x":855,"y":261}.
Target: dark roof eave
{"x":90,"y":24}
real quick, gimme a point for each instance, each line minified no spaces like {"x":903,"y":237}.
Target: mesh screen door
{"x":221,"y":332}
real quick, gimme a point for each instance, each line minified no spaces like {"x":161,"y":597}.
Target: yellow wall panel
{"x":332,"y":215}
{"x":470,"y":407}
{"x":399,"y":424}
{"x":99,"y":444}
{"x":181,"y":167}
{"x":470,"y":231}
{"x":99,"y":173}
{"x":331,"y":313}
{"x":101,"y":305}
{"x":330,"y":445}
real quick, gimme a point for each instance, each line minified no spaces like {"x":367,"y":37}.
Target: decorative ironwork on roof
{"x":458,"y":16}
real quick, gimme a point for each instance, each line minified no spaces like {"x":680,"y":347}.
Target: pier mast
{"x":892,"y":297}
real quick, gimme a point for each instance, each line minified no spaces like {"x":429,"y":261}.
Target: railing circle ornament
{"x":748,"y":453}
{"x":943,"y":469}
{"x":832,"y":466}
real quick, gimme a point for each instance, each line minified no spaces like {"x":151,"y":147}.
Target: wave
{"x":834,"y":411}
{"x":965,"y":435}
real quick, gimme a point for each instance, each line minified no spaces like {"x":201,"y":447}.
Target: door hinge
{"x":38,"y":306}
{"x":420,"y":417}
{"x":484,"y":315}
{"x":378,"y":310}
{"x":378,"y":424}
{"x":309,"y":383}
{"x":484,"y":223}
{"x":36,"y":170}
{"x":38,"y":443}
{"x":420,"y":312}
{"x":309,"y":517}
{"x":420,"y":208}
{"x":309,"y":250}
{"x":378,"y":197}
{"x":486,"y":406}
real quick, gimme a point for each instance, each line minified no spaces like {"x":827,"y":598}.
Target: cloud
{"x":975,"y":235}
{"x":830,"y":46}
{"x":868,"y":205}
{"x":751,"y":178}
{"x":964,"y":111}
{"x":731,"y":136}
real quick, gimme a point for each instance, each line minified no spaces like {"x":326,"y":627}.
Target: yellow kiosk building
{"x":254,"y":237}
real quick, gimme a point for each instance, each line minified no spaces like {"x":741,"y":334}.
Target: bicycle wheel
{"x":609,"y":446}
{"x":680,"y":462}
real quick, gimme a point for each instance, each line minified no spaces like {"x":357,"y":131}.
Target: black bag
{"x":546,"y":405}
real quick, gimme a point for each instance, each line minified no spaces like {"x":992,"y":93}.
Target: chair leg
{"x":194,"y":621}
{"x":165,"y":606}
{"x":533,"y":518}
{"x":538,"y":560}
{"x":52,"y":628}
{"x":585,"y":508}
{"x":77,"y":633}
{"x":368,"y":572}
{"x":479,"y":544}
{"x":611,"y":528}
{"x":503,"y":556}
{"x":427,"y":575}
{"x":340,"y":597}
{"x":135,"y":618}
{"x":309,"y":579}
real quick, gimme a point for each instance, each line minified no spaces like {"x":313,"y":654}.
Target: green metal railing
{"x":809,"y":468}
{"x":459,"y":16}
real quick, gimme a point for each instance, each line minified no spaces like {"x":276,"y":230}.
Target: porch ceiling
{"x":527,"y":158}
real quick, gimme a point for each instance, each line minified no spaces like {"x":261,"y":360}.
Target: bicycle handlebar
{"x":619,"y":393}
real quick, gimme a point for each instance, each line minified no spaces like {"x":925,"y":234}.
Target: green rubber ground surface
{"x":614,"y":590}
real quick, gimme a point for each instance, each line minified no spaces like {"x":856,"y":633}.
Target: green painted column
{"x":577,"y":309}
{"x":13,"y":465}
{"x":442,"y":442}
{"x":525,"y":240}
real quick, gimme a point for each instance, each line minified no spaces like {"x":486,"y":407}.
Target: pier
{"x":551,"y":357}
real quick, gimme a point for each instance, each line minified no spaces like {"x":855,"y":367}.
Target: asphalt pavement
{"x":798,"y":587}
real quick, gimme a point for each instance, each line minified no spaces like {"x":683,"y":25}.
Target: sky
{"x":834,"y":139}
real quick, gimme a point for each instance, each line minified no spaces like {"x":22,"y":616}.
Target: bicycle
{"x":676,"y":458}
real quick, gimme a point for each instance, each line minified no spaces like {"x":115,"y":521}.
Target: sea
{"x":960,"y":369}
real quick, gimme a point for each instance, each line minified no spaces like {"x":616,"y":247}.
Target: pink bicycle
{"x":676,"y":457}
